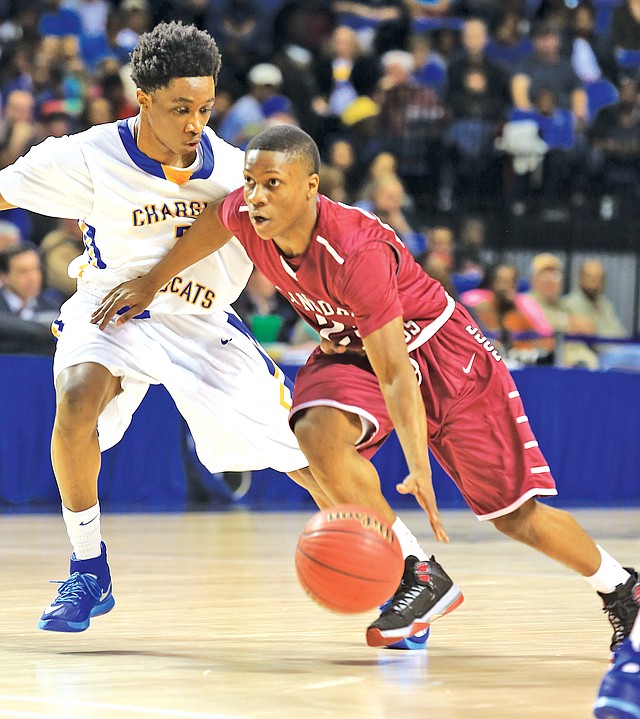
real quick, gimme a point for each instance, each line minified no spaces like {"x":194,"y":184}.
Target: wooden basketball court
{"x":211,"y":623}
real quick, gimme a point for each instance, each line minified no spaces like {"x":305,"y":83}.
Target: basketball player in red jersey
{"x":396,"y":352}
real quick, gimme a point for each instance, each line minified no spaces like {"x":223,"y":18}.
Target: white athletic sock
{"x":635,"y":635}
{"x":609,"y":575}
{"x":83,"y":529}
{"x":408,"y":543}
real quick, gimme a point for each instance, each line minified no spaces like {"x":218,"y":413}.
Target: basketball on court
{"x":349,"y":559}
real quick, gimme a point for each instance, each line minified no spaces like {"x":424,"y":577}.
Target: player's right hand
{"x":122,"y":303}
{"x":422,"y":489}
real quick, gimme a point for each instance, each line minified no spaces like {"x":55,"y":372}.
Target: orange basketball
{"x":349,"y":559}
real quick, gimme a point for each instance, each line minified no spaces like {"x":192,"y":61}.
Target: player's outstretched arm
{"x":387,"y":353}
{"x":206,"y":235}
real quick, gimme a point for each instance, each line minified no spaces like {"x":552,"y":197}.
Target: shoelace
{"x":405,"y":595}
{"x":72,"y":590}
{"x":621,"y":613}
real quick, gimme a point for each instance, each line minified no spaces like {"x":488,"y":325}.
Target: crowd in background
{"x":428,"y":113}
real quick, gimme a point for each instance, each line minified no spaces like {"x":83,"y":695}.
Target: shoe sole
{"x":611,"y":708}
{"x":416,"y":642}
{"x":58,"y":625}
{"x":384,"y":637}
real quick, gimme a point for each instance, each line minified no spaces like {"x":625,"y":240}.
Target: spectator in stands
{"x":17,"y":130}
{"x":384,"y":163}
{"x":471,"y":255}
{"x":412,"y":119}
{"x":429,"y":68}
{"x":472,"y":57}
{"x":332,"y":183}
{"x":546,"y":288}
{"x":25,"y":315}
{"x":134,"y":19}
{"x":547,"y":68}
{"x":438,"y":260}
{"x":592,"y":56}
{"x":563,"y":156}
{"x":57,"y":249}
{"x":512,"y":318}
{"x":471,"y":171}
{"x":113,"y":90}
{"x":341,"y":155}
{"x":239,"y":24}
{"x":261,"y":298}
{"x":625,"y":26}
{"x":9,"y":235}
{"x":245,"y":118}
{"x":589,"y":300}
{"x":333,"y":72}
{"x":361,"y":117}
{"x":441,"y":242}
{"x":96,"y":111}
{"x":507,"y":46}
{"x":389,"y":205}
{"x":614,"y":155}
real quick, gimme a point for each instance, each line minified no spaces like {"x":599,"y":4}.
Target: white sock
{"x":609,"y":575}
{"x":635,"y":635}
{"x":408,"y":543}
{"x":83,"y":529}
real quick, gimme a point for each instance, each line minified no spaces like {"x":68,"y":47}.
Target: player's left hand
{"x":422,"y":489}
{"x":123,"y":302}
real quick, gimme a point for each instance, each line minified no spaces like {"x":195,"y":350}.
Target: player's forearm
{"x":406,"y":409}
{"x":205,"y":236}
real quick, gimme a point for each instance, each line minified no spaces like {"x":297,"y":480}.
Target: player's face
{"x":280,"y":194}
{"x":172,"y":119}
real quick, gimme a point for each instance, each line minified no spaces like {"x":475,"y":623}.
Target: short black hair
{"x":9,"y":253}
{"x":292,"y":141}
{"x":171,"y":50}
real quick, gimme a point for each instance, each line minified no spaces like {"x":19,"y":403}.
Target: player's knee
{"x":517,"y":524}
{"x":74,"y":408}
{"x":310,"y":436}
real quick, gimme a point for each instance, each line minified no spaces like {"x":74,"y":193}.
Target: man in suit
{"x":25,"y":314}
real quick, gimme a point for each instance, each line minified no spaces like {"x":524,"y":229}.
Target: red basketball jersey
{"x":355,"y":276}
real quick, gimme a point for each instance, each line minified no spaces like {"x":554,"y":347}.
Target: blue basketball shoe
{"x":619,"y":693}
{"x":417,"y":641}
{"x":86,"y":594}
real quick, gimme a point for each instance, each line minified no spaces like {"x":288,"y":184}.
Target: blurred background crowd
{"x":499,"y":138}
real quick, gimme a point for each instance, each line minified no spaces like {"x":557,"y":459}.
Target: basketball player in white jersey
{"x":135,"y":186}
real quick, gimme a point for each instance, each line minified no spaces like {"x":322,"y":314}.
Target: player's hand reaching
{"x":123,"y":302}
{"x":421,"y":487}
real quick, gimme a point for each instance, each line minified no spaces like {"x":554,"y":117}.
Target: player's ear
{"x":143,"y":99}
{"x":312,"y":185}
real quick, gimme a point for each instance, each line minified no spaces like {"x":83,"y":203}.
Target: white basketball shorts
{"x":235,"y":399}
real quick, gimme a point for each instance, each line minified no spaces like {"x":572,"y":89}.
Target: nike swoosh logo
{"x":467,"y":369}
{"x":224,"y":342}
{"x":84,"y":524}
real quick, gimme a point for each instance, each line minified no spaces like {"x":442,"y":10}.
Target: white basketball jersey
{"x":132,"y":209}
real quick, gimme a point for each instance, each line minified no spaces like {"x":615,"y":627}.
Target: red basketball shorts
{"x":478,"y":429}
